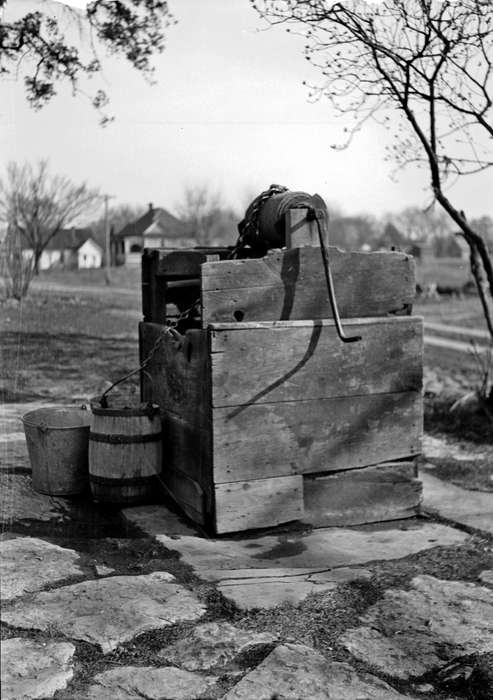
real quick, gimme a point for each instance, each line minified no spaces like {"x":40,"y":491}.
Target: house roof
{"x":70,"y":238}
{"x":157,"y":222}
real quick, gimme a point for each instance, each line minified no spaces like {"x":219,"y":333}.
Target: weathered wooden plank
{"x":153,"y":288}
{"x":299,"y":231}
{"x":266,"y":363}
{"x":187,"y":448}
{"x":185,"y":263}
{"x":177,"y":379}
{"x":260,"y":503}
{"x":146,"y":284}
{"x":299,"y":437}
{"x":177,"y":376}
{"x":373,"y":494}
{"x":291,"y":285}
{"x":187,"y":493}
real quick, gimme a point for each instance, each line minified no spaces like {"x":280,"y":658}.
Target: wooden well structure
{"x":267,"y":416}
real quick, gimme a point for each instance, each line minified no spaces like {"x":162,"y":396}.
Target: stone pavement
{"x":275,"y":569}
{"x":79,"y":624}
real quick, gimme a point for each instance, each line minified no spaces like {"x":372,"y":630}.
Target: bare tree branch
{"x":36,"y":205}
{"x":428,"y":62}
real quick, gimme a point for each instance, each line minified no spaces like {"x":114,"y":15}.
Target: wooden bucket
{"x":125,"y":453}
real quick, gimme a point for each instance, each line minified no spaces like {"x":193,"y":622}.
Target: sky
{"x":229,"y":111}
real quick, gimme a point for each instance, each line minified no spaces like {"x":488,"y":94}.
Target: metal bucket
{"x":57,"y":443}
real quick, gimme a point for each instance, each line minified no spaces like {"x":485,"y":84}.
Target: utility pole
{"x":107,"y":242}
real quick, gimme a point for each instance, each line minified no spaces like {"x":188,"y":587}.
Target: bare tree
{"x":15,"y":270}
{"x":198,"y":208}
{"x":423,"y":68}
{"x":36,"y":205}
{"x":134,"y":29}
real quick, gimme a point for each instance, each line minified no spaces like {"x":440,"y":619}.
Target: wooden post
{"x":107,"y":246}
{"x":299,"y":231}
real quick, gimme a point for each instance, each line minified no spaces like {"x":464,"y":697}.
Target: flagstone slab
{"x":248,"y":590}
{"x":309,"y":552}
{"x":151,"y":683}
{"x":18,"y":501}
{"x":470,"y":508}
{"x":268,"y":570}
{"x":34,"y":669}
{"x":294,"y":671}
{"x":108,"y":611}
{"x":214,"y":644}
{"x":154,"y":519}
{"x":408,"y":633}
{"x":272,"y":569}
{"x":28,"y":564}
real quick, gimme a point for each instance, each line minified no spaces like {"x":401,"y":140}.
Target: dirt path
{"x":457,"y":330}
{"x":451,"y":344}
{"x":46,"y":286}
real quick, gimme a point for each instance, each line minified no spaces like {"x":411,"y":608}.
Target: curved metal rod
{"x":319,"y":216}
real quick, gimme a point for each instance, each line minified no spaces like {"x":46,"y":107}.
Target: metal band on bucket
{"x":122,"y":481}
{"x":116,"y":439}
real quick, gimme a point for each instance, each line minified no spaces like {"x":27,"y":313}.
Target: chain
{"x":248,"y":228}
{"x":167,"y":330}
{"x":185,"y":314}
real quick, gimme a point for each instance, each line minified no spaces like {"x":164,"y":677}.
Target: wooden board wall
{"x":302,"y":437}
{"x":258,"y":503}
{"x":255,"y":363}
{"x":177,"y":378}
{"x":250,"y":408}
{"x":290,"y":285}
{"x":374,"y":494}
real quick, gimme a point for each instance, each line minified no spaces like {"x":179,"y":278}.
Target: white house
{"x":70,"y":249}
{"x":157,"y":228}
{"x":89,"y":254}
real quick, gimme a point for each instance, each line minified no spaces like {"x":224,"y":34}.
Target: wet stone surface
{"x":294,"y":671}
{"x":408,"y":633}
{"x":151,"y":683}
{"x":108,"y":611}
{"x":268,"y":570}
{"x":213,"y":645}
{"x":28,"y":564}
{"x":34,"y":669}
{"x":315,"y":551}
